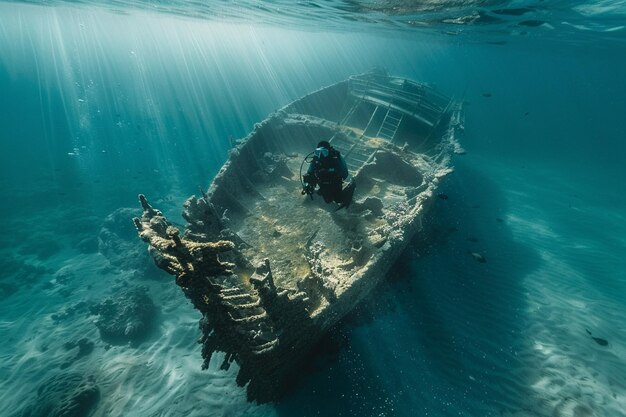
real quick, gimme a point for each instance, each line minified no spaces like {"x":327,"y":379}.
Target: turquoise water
{"x":99,"y":103}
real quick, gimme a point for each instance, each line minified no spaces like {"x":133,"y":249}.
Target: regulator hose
{"x":306,"y":159}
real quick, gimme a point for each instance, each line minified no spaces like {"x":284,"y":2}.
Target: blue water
{"x":101,"y":102}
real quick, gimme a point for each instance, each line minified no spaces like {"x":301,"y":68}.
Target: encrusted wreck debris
{"x":271,"y":270}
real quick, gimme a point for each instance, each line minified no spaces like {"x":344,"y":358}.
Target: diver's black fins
{"x":346,"y":195}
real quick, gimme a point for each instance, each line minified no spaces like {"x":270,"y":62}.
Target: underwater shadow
{"x":444,"y":327}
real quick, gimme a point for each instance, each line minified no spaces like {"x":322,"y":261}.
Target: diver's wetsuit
{"x":328,"y":172}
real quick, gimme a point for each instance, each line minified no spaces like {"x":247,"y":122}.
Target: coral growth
{"x":242,"y":320}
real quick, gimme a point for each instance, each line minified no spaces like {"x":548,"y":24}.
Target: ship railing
{"x":409,"y":97}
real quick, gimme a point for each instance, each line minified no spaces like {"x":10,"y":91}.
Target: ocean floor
{"x":508,"y":304}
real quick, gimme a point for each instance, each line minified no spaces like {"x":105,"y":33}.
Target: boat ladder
{"x":356,"y":154}
{"x":359,"y":154}
{"x":351,"y":112}
{"x":390,"y":124}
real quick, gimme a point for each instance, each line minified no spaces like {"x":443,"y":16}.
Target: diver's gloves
{"x":309,"y":179}
{"x":308,"y":189}
{"x":309,"y":183}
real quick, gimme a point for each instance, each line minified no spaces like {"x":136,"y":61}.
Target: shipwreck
{"x":271,"y":270}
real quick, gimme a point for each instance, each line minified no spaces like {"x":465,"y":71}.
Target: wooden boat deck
{"x":305,"y":237}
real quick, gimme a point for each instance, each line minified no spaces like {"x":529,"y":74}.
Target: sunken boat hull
{"x":270,"y":269}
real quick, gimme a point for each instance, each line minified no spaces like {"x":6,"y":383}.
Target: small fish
{"x":598,"y":340}
{"x":499,"y":220}
{"x":487,"y":95}
{"x":478,"y":257}
{"x":472,"y":239}
{"x":526,"y":114}
{"x":442,"y":196}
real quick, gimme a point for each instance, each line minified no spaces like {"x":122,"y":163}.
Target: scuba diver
{"x":327,"y":170}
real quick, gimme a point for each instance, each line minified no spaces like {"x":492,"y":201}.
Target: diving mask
{"x":321,"y":152}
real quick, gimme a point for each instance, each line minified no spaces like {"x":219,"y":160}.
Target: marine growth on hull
{"x":270,"y":268}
